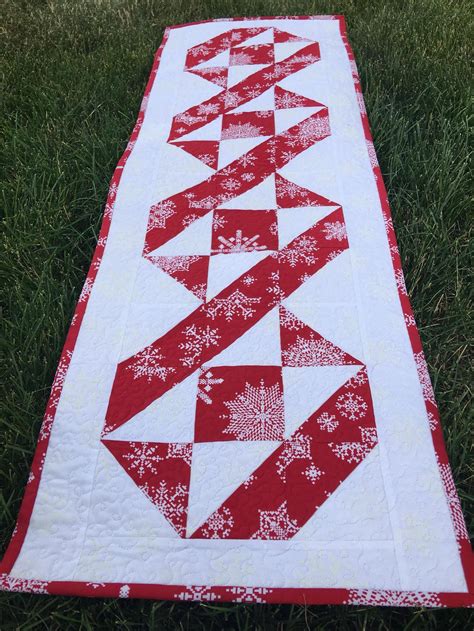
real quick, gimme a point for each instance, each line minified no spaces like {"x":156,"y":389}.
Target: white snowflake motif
{"x":230,"y":184}
{"x":219,"y":524}
{"x":124,"y":591}
{"x":313,"y":474}
{"x":400,"y":280}
{"x":350,"y":452}
{"x":249,"y":594}
{"x":335,"y":230}
{"x":298,"y":447}
{"x":197,"y":338}
{"x":61,"y":372}
{"x":208,"y":108}
{"x":206,"y":382}
{"x":312,"y":351}
{"x":290,"y":189}
{"x":372,"y":155}
{"x":147,"y":364}
{"x":287,"y":99}
{"x":327,"y":422}
{"x":189,"y":219}
{"x":313,"y":129}
{"x":248,"y":280}
{"x":200,"y":593}
{"x":12,"y":584}
{"x":143,"y":458}
{"x":410,"y":320}
{"x":247,"y":177}
{"x":359,"y":379}
{"x":454,"y":504}
{"x":160,"y":213}
{"x":351,"y":406}
{"x":391,"y":598}
{"x":46,"y":427}
{"x":199,"y":291}
{"x":235,"y":305}
{"x":181,"y":451}
{"x":247,"y":160}
{"x":276,"y":524}
{"x":241,"y":130}
{"x":257,"y":413}
{"x":432,"y":421}
{"x":273,"y":288}
{"x":424,"y":377}
{"x":289,"y":321}
{"x":206,"y":158}
{"x":86,"y":290}
{"x":240,"y":59}
{"x":249,"y":481}
{"x":171,"y":501}
{"x":185,"y":118}
{"x":302,"y":251}
{"x":238,"y":243}
{"x":218,"y":222}
{"x":173,"y":264}
{"x":207,"y":203}
{"x":231,"y":100}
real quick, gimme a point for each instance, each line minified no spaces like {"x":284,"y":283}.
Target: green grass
{"x":74,"y":75}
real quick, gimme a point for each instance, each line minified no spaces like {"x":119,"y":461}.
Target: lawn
{"x":74,"y":75}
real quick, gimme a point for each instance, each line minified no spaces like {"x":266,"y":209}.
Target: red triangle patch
{"x":284,"y":99}
{"x":291,"y":195}
{"x":302,"y":346}
{"x":205,"y":150}
{"x":214,"y":74}
{"x":282,"y":37}
{"x":190,"y":271}
{"x":162,"y":471}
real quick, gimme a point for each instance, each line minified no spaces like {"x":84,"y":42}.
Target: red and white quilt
{"x":242,"y":410}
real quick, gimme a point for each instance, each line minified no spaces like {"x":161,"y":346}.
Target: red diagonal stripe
{"x":169,"y":216}
{"x":252,"y":86}
{"x":207,"y":331}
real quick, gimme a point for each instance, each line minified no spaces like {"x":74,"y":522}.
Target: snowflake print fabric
{"x":243,"y":411}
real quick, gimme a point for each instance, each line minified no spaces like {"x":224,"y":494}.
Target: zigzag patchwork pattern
{"x":243,"y":241}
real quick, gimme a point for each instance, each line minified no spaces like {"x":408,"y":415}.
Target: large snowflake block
{"x":238,"y":231}
{"x":246,"y":404}
{"x":248,"y":125}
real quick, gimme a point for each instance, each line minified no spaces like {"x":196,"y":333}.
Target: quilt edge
{"x":304,"y":596}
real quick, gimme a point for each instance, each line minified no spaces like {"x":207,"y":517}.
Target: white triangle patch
{"x":262,"y":38}
{"x":265,"y":101}
{"x":286,"y":118}
{"x":260,"y":197}
{"x":239,"y":73}
{"x":294,"y":221}
{"x":306,"y":389}
{"x":136,"y":517}
{"x":356,"y":511}
{"x":225,"y":268}
{"x":194,"y":239}
{"x":282,"y":51}
{"x":218,"y":468}
{"x":259,"y":346}
{"x":211,"y":131}
{"x":332,"y":283}
{"x":168,"y":419}
{"x":222,"y":59}
{"x":230,"y":150}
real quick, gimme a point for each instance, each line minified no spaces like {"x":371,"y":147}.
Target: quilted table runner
{"x":242,"y":410}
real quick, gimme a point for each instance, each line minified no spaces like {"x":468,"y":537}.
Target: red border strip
{"x":219,"y":593}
